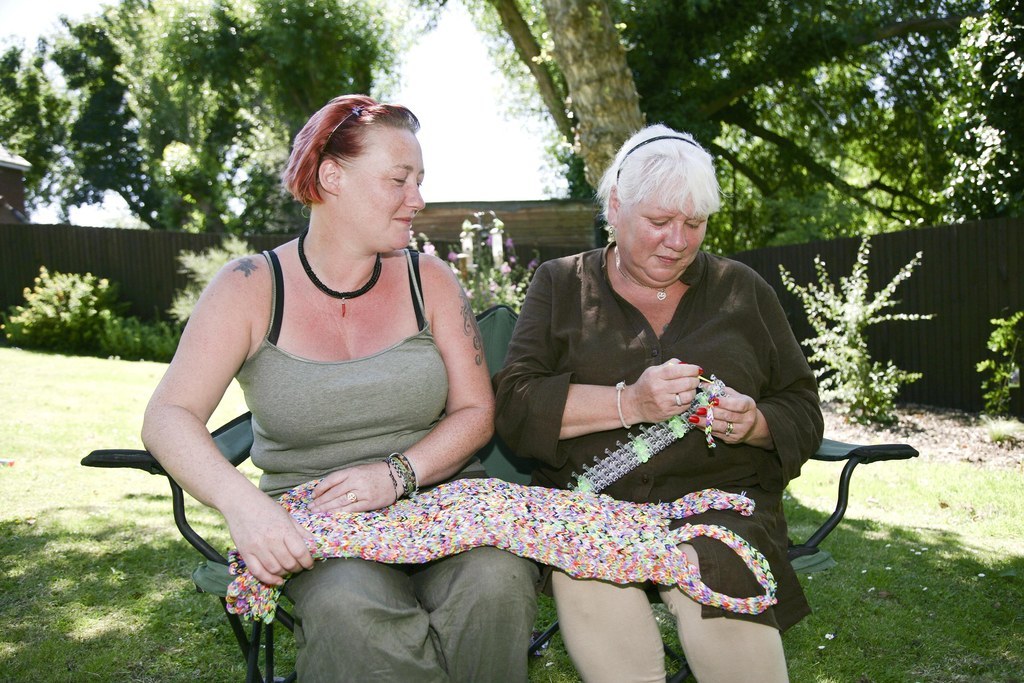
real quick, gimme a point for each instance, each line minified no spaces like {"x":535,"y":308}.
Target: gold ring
{"x":728,"y":428}
{"x":678,"y":402}
{"x":352,"y":497}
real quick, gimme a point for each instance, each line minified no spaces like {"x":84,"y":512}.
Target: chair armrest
{"x":853,"y":455}
{"x":120,"y":457}
{"x":835,"y":451}
{"x":233,"y":439}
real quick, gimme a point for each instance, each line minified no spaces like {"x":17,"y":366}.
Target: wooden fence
{"x":144,"y":262}
{"x":970,"y":273}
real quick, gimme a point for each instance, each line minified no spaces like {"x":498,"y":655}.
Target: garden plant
{"x":864,"y":389}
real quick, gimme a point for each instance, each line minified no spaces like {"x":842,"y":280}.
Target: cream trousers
{"x":611,"y":635}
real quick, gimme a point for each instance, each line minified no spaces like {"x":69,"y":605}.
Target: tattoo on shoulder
{"x":247,"y":266}
{"x":471,"y":329}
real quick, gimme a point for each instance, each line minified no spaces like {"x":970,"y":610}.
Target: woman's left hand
{"x":355,"y":489}
{"x":737,"y":420}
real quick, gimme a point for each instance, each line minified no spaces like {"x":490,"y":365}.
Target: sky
{"x":471,"y":152}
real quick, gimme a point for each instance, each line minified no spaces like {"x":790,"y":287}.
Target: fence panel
{"x":970,"y":273}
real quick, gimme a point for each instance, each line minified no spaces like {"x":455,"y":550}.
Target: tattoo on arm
{"x":246,"y":266}
{"x":470,"y":328}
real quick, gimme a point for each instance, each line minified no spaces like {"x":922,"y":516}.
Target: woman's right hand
{"x":661,"y":392}
{"x":270,"y":541}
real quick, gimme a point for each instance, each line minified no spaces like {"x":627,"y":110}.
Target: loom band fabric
{"x":702,"y":501}
{"x":585,"y":535}
{"x":755,"y":561}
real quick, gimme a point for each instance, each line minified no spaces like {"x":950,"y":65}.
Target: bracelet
{"x":394,"y":481}
{"x":405,"y":472}
{"x":618,"y":403}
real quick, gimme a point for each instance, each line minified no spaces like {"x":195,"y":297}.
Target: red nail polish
{"x":702,"y":411}
{"x":714,"y":401}
{"x":693,"y":419}
{"x":700,"y":371}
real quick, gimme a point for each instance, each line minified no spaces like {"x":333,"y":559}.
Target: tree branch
{"x":882,"y":33}
{"x":737,"y":116}
{"x":530,"y":53}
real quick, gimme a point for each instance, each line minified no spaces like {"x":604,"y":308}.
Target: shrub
{"x":201,"y":267}
{"x":133,"y":339}
{"x":865,"y":390}
{"x":487,"y":265}
{"x":1005,"y":341}
{"x":80,"y":314}
{"x":63,"y":312}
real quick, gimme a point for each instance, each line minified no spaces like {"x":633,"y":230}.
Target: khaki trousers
{"x":468,"y":617}
{"x":611,"y":635}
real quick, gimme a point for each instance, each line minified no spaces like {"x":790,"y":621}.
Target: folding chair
{"x":234,"y":440}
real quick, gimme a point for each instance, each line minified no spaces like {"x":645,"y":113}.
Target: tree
{"x":826,"y":118}
{"x":983,"y":116}
{"x":187,"y":108}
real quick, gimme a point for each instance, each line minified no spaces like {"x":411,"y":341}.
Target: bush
{"x":63,"y":312}
{"x":1005,"y":341}
{"x":81,"y":314}
{"x":133,"y":339}
{"x":201,"y":267}
{"x":487,"y":265}
{"x":865,"y":390}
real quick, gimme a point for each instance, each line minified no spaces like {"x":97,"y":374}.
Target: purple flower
{"x":452,"y":256}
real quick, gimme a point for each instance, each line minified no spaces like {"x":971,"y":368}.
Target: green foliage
{"x":982,"y":118}
{"x":81,"y":314}
{"x":186,"y":108}
{"x":847,"y":104}
{"x":1009,"y":430}
{"x":864,"y":389}
{"x":1007,"y":342}
{"x":133,"y":339}
{"x":63,"y":312}
{"x":487,"y":264}
{"x":201,"y":267}
{"x":806,"y":99}
{"x":32,"y":115}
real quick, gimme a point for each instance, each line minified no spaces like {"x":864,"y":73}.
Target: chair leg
{"x":684,"y":668}
{"x":541,"y":641}
{"x":252,"y":673}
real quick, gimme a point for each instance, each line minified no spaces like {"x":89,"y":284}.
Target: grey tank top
{"x":313,"y":417}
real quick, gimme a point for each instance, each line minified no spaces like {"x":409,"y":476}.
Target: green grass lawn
{"x":94,"y":578}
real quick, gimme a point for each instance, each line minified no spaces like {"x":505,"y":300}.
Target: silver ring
{"x":678,"y":402}
{"x":728,"y":428}
{"x":352,"y":497}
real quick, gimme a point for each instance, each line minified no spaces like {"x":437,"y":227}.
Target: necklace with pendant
{"x":332,"y":292}
{"x":662,"y":294}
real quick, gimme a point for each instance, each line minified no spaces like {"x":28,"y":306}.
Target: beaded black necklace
{"x":374,"y":276}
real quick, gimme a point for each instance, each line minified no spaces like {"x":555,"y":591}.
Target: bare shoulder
{"x":243,"y":280}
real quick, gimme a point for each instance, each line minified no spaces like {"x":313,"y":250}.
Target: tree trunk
{"x":602,"y":93}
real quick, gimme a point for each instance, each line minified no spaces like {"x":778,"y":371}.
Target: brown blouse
{"x":574,"y":328}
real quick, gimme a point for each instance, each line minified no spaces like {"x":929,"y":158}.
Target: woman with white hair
{"x":617,"y":338}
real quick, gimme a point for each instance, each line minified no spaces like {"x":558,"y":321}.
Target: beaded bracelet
{"x":405,"y":472}
{"x":394,"y":482}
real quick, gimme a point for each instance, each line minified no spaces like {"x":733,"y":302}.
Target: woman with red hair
{"x":360,"y":361}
